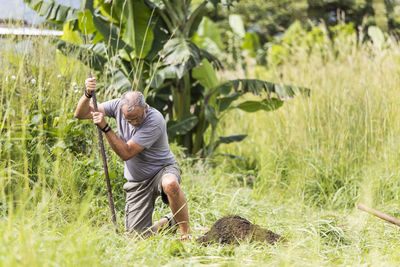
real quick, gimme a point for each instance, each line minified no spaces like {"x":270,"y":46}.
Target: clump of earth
{"x":233,"y":229}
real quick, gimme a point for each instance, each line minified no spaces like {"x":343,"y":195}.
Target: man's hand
{"x":90,"y":84}
{"x":98,"y":119}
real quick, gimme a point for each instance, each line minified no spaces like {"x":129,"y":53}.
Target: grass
{"x":305,"y":167}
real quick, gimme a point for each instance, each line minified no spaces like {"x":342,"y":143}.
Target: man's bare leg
{"x":177,"y":202}
{"x":159,"y":224}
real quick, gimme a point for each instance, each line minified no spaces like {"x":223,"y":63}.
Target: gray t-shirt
{"x":150,"y":134}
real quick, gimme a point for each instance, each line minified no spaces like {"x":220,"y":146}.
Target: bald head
{"x":131,"y":99}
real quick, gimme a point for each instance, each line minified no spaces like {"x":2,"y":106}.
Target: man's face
{"x":135,"y":117}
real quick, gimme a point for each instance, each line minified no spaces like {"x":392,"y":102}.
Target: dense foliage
{"x":148,"y":46}
{"x":271,"y":18}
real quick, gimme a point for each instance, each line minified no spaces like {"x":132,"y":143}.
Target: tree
{"x":270,"y":19}
{"x":146,"y":45}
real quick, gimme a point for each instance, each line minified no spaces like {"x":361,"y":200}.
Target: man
{"x":150,"y":166}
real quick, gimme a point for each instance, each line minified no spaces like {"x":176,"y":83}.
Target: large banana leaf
{"x":257,"y":87}
{"x":114,"y":10}
{"x":194,"y":20}
{"x":225,"y":102}
{"x":160,"y":37}
{"x":205,"y":74}
{"x":138,"y":33}
{"x":85,"y":22}
{"x":225,"y":140}
{"x":179,"y":56}
{"x":91,"y":56}
{"x":182,"y":126}
{"x":179,"y":51}
{"x":119,"y":80}
{"x":110,"y":32}
{"x":265,"y":104}
{"x":53,"y":11}
{"x":230,"y":139}
{"x":95,"y":57}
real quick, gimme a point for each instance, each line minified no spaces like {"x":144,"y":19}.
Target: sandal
{"x":171,"y":220}
{"x":186,"y":238}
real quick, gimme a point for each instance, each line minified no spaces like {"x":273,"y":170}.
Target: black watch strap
{"x":106,"y":128}
{"x":87,"y":94}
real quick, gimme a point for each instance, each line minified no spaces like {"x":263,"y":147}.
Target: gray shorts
{"x":141,"y":196}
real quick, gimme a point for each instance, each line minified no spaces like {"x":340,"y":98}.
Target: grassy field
{"x":304,"y":167}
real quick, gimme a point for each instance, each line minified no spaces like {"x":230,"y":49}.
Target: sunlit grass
{"x":335,"y":149}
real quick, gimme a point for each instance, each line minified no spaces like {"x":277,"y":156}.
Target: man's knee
{"x":170,"y":185}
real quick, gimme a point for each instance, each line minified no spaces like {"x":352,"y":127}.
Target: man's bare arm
{"x":124,"y":150}
{"x":84,"y":109}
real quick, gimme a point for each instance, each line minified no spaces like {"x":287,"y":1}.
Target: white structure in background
{"x":29,"y":32}
{"x":17,"y":10}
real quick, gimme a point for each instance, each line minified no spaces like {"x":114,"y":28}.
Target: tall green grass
{"x":327,"y":148}
{"x":305,"y":166}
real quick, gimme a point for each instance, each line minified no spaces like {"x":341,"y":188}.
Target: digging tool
{"x":379,"y":214}
{"x":103,"y":155}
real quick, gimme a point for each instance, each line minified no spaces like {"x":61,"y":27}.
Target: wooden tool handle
{"x":103,"y":155}
{"x":379,"y":214}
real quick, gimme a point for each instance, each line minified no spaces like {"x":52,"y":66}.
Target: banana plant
{"x":199,"y":99}
{"x":147,"y":46}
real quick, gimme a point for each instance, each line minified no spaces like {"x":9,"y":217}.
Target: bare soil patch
{"x":233,"y":229}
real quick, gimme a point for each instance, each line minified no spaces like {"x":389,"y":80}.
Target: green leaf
{"x":53,"y":13}
{"x":205,"y":74}
{"x":71,"y":36}
{"x":96,"y":59}
{"x":209,"y":113}
{"x":170,"y":72}
{"x":119,"y":81}
{"x":251,"y":42}
{"x":45,"y":8}
{"x":62,"y":14}
{"x":85,"y":22}
{"x":231,"y":156}
{"x":231,"y":139}
{"x":158,"y":80}
{"x":160,"y":38}
{"x":208,"y":30}
{"x":113,"y":10}
{"x":257,"y":87}
{"x":181,"y":55}
{"x":236,"y":23}
{"x":195,"y":19}
{"x":265,"y":104}
{"x":138,"y":33}
{"x":34,"y":4}
{"x":179,"y":51}
{"x":72,"y":15}
{"x":225,"y":102}
{"x":98,"y":38}
{"x":181,"y":127}
{"x":204,"y":54}
{"x":110,"y":32}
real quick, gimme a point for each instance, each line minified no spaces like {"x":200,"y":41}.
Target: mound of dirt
{"x":233,"y":229}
